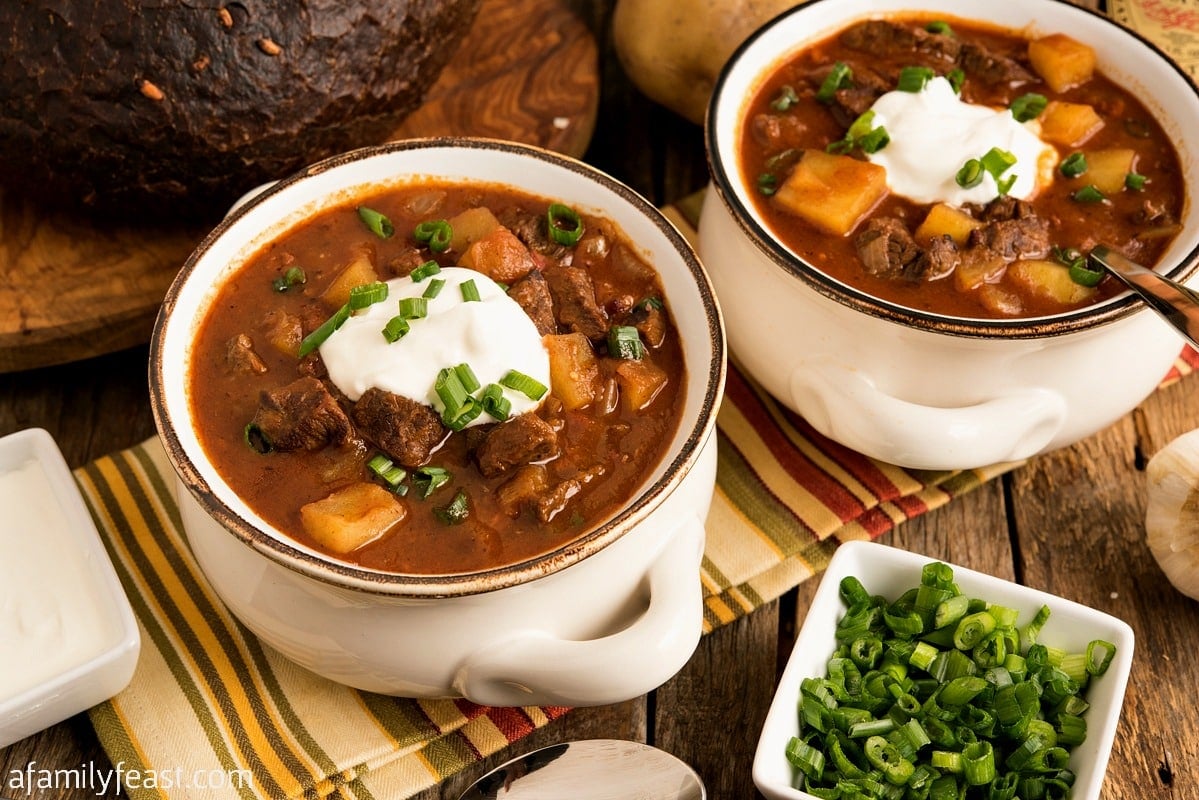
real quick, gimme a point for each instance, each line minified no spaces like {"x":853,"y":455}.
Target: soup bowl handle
{"x":537,"y":667}
{"x":848,"y":407}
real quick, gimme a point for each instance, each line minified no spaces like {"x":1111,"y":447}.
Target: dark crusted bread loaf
{"x":173,"y":108}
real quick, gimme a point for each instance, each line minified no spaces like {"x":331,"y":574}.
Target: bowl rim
{"x":827,"y":607}
{"x":327,"y":569}
{"x":725,"y":180}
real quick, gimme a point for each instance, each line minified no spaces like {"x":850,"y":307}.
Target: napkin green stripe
{"x":132,"y":571}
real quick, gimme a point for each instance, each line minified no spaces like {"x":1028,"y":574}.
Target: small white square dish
{"x":67,"y":631}
{"x":889,"y":571}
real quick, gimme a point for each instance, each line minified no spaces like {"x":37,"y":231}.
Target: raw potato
{"x":832,"y":192}
{"x":352,"y":516}
{"x":672,"y":50}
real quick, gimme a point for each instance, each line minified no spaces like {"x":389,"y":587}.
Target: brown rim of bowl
{"x":1122,"y":305}
{"x":345,"y":574}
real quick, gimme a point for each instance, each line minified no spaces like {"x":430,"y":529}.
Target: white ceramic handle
{"x":846,"y":406}
{"x":534,"y":667}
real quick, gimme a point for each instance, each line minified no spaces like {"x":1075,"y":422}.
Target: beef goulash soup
{"x":959,"y":169}
{"x":439,"y":378}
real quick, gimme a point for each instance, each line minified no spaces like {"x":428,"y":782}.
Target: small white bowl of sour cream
{"x":67,"y":630}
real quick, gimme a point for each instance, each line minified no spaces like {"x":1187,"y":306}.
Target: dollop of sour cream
{"x":492,"y":334}
{"x":934,"y":133}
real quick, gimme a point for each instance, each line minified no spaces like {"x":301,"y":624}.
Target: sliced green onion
{"x":528,"y":386}
{"x":395,"y":329}
{"x":651,"y":303}
{"x":315,"y":339}
{"x":377,"y":223}
{"x":914,"y":79}
{"x":1028,"y":106}
{"x":885,"y":757}
{"x":785,"y":99}
{"x":1098,"y":667}
{"x":494,"y":402}
{"x":1073,"y":165}
{"x":997,"y":161}
{"x":1134,"y":181}
{"x":256,"y":440}
{"x":367,"y":294}
{"x":458,"y":418}
{"x":429,"y":479}
{"x":434,"y":288}
{"x":1084,"y":274}
{"x":424,"y":270}
{"x":625,"y":342}
{"x":876,"y":140}
{"x":956,"y":78}
{"x":467,"y":377}
{"x":939,"y":26}
{"x":978,"y":763}
{"x":456,"y":512}
{"x":805,"y":758}
{"x":470,"y":292}
{"x":436,"y":233}
{"x":564,"y":224}
{"x":838,"y":78}
{"x":293,"y":276}
{"x":1088,"y":194}
{"x":448,"y":387}
{"x":388,"y":471}
{"x":414,"y":307}
{"x":768,"y":183}
{"x":970,"y":175}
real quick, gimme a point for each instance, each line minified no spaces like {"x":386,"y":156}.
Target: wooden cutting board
{"x":69,"y":289}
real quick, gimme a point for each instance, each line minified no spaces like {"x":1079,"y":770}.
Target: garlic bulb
{"x":1172,"y":513}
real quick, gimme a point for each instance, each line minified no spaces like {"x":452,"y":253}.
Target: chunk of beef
{"x":1012,"y":229}
{"x":402,"y":263}
{"x":555,"y":498}
{"x":941,"y":257}
{"x":991,"y":68}
{"x":533,"y":230}
{"x":883,"y":37}
{"x":241,"y":358}
{"x":520,"y":440}
{"x":303,"y":415}
{"x":532,"y":293}
{"x":887,"y":249}
{"x":574,"y":302}
{"x":404,"y":429}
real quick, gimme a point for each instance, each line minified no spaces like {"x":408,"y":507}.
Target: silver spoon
{"x":1173,"y":301}
{"x":593,"y":769}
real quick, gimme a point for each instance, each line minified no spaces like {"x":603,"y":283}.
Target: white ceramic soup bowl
{"x":602,"y":619}
{"x":918,"y":389}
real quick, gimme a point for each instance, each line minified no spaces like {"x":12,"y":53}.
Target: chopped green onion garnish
{"x":838,"y":78}
{"x":424,"y":270}
{"x":956,"y":78}
{"x":1134,"y":181}
{"x":315,"y":339}
{"x":434,"y":288}
{"x":413,"y":307}
{"x":289,"y":279}
{"x":470,"y":292}
{"x":494,"y":402}
{"x":256,"y":439}
{"x":785,"y":99}
{"x":1073,"y":165}
{"x":395,"y":329}
{"x":435,"y":233}
{"x":914,"y":79}
{"x":448,"y":387}
{"x":1028,"y":106}
{"x":970,"y":175}
{"x":625,"y":342}
{"x":1082,"y":273}
{"x":997,"y":161}
{"x":939,"y":26}
{"x":874,"y":141}
{"x":367,"y":294}
{"x":651,"y":302}
{"x":862,"y":133}
{"x":564,"y":224}
{"x":388,"y":471}
{"x":456,"y":512}
{"x":377,"y":223}
{"x":1088,"y":194}
{"x":463,"y":415}
{"x":768,"y":183}
{"x":429,"y":479}
{"x":526,"y":385}
{"x":467,"y":376}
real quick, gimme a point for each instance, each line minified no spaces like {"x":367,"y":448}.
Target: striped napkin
{"x":212,"y":712}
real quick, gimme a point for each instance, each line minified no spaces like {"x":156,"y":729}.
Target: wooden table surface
{"x":1069,"y":522}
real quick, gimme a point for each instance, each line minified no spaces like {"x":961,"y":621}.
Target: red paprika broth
{"x":1140,"y":223}
{"x":601,"y":452}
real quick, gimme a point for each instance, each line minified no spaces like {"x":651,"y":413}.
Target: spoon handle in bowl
{"x":1178,"y":304}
